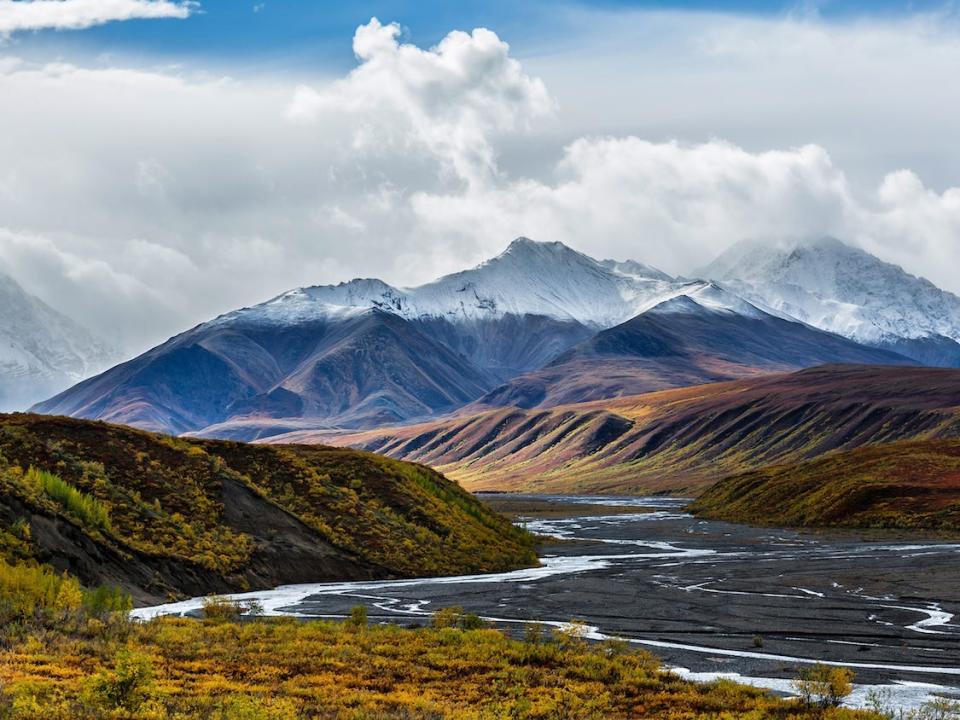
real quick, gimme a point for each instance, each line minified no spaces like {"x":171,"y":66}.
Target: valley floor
{"x":714,"y":598}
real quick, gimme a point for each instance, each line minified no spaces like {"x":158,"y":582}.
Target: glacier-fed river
{"x":710,"y":598}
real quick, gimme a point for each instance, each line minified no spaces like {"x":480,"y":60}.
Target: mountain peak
{"x":842,"y":288}
{"x":529,"y":278}
{"x":525,"y":247}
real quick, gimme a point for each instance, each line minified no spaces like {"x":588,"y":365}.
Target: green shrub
{"x":470,"y":621}
{"x":106,"y":599}
{"x":358,"y":616}
{"x":127,"y":685}
{"x":87,"y":509}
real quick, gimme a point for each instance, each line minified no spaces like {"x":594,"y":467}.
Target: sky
{"x":164,"y":161}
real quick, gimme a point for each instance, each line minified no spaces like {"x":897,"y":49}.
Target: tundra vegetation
{"x":69,"y":653}
{"x":166,"y":516}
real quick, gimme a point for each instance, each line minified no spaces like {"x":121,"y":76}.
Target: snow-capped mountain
{"x":837,"y":287}
{"x":41,"y":350}
{"x":546,"y":279}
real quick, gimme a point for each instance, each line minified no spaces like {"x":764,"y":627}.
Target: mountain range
{"x":538,"y":325}
{"x":42,"y":351}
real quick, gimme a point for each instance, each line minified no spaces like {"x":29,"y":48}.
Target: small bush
{"x":823,"y":685}
{"x":105,"y":600}
{"x":533,"y":633}
{"x":127,"y":685}
{"x":471,"y":621}
{"x":358,"y":616}
{"x":221,"y":609}
{"x":448,"y":617}
{"x":455,"y":617}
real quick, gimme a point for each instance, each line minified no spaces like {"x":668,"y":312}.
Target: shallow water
{"x":698,"y":593}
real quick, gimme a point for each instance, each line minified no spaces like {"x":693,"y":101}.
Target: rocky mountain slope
{"x":840,"y":288}
{"x":163,"y":517}
{"x":678,"y":440}
{"x":41,"y":350}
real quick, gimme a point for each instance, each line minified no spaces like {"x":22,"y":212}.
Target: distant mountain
{"x":679,"y":440}
{"x":703,"y":335}
{"x":364,"y":353}
{"x":512,"y":313}
{"x":349,"y":367}
{"x":840,"y":288}
{"x":41,"y":350}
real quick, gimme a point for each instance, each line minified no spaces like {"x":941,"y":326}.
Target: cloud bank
{"x":20,"y":15}
{"x":169,"y":198}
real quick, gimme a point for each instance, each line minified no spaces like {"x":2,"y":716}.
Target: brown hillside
{"x":677,"y":440}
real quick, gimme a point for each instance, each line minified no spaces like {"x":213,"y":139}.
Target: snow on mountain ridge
{"x":837,"y":287}
{"x":632,"y":268}
{"x":528,"y":278}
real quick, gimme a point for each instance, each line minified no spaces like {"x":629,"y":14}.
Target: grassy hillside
{"x":907,"y":485}
{"x":680,"y":440}
{"x":161,"y":516}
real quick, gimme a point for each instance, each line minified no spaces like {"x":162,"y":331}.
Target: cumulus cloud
{"x":19,"y":15}
{"x":169,"y":198}
{"x":449,"y":100}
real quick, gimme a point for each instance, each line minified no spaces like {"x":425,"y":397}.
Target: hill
{"x":676,"y":440}
{"x":348,"y":368}
{"x":162,"y":517}
{"x":906,"y":485}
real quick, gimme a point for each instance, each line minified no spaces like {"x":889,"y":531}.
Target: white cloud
{"x":665,"y":203}
{"x":19,"y":15}
{"x":449,"y":100}
{"x":679,"y":205}
{"x":168,"y":198}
